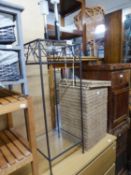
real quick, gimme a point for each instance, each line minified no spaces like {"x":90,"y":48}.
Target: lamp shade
{"x":44,"y":8}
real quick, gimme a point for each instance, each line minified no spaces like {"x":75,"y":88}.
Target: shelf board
{"x":10,"y":48}
{"x":13,"y":153}
{"x":64,"y":35}
{"x":11,"y":101}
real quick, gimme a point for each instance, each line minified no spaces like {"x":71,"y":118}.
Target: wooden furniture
{"x":129,"y":137}
{"x":15,"y":11}
{"x":14,"y":151}
{"x":119,"y":75}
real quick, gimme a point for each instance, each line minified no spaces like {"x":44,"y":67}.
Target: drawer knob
{"x":121,"y":75}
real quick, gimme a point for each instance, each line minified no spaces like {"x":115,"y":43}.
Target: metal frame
{"x":38,"y":49}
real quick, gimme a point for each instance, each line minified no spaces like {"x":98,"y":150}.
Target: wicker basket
{"x":9,"y":72}
{"x":7,"y":35}
{"x":94,"y":109}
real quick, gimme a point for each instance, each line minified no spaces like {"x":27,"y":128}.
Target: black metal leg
{"x":44,"y":110}
{"x":56,"y":102}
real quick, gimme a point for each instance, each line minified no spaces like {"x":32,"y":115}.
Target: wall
{"x":31,"y":18}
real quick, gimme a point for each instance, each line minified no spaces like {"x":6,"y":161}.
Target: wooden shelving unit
{"x":15,"y":152}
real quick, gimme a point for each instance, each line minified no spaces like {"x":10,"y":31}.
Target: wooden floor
{"x":71,"y":164}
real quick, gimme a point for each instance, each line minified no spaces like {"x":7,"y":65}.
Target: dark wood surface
{"x":121,"y":160}
{"x":129,"y":138}
{"x":108,"y":67}
{"x":119,"y":75}
{"x":66,"y":7}
{"x":118,"y":95}
{"x":63,"y":35}
{"x":113,"y":37}
{"x":129,"y":149}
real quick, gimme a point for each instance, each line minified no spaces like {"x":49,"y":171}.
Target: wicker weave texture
{"x":94,"y":112}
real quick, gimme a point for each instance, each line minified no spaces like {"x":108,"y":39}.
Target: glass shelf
{"x":58,"y":144}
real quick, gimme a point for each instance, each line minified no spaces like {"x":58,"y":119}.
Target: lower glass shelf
{"x":58,"y":144}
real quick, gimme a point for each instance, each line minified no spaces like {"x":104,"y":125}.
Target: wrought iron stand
{"x":36,"y":51}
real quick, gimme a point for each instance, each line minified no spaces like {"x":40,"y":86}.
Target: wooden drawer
{"x":120,"y":78}
{"x":121,"y":142}
{"x":121,"y":151}
{"x":121,"y":163}
{"x":101,"y":163}
{"x":117,"y":106}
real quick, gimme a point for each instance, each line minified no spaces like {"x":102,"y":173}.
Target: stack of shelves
{"x":15,"y":11}
{"x":16,"y":152}
{"x":13,"y":156}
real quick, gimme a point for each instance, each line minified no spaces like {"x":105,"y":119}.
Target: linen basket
{"x":7,"y":25}
{"x":9,"y":72}
{"x":7,"y":35}
{"x":9,"y":66}
{"x":94,"y":96}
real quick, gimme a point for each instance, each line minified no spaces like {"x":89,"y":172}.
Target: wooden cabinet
{"x":120,"y":78}
{"x":129,"y":138}
{"x":118,"y":97}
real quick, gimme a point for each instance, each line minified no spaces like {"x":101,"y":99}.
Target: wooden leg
{"x":9,"y":120}
{"x":31,"y":135}
{"x":52,"y":95}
